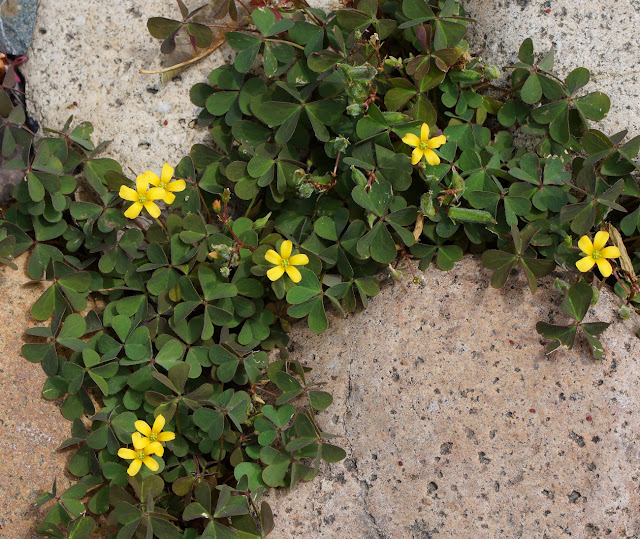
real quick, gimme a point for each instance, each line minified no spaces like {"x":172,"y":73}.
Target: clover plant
{"x":342,"y":144}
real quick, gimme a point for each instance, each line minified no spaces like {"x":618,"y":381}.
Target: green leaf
{"x":531,"y":92}
{"x":320,"y":400}
{"x":447,"y":256}
{"x":525,"y":54}
{"x":308,"y":287}
{"x":161,"y":28}
{"x":81,"y":528}
{"x":562,"y":334}
{"x":577,"y":79}
{"x":578,"y":300}
{"x":594,"y":106}
{"x":466,"y":215}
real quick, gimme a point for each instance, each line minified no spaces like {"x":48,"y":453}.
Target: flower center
{"x":141,"y":455}
{"x":284,"y":263}
{"x":153,"y":437}
{"x":423,"y":146}
{"x":596,"y":255}
{"x":162,"y":185}
{"x":142,"y":199}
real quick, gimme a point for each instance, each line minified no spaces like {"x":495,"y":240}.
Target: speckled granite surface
{"x":31,"y":428}
{"x":457,"y":424}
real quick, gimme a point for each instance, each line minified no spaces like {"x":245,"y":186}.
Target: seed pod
{"x":358,"y":177}
{"x":426,"y":204}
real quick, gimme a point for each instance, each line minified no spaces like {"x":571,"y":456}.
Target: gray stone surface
{"x":601,"y":36}
{"x":86,"y":62}
{"x":456,"y":424}
{"x":17,"y":18}
{"x":92,"y":57}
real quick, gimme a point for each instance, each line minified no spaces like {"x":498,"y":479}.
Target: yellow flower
{"x":141,"y":454}
{"x":154,"y":434}
{"x":285,"y":262}
{"x":597,"y":253}
{"x":164,"y":182}
{"x":143,"y":197}
{"x":424,"y":146}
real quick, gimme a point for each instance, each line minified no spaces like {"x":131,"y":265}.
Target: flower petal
{"x":143,"y":427}
{"x":604,"y":266}
{"x":299,"y":260}
{"x":167,"y":173}
{"x":600,"y":240}
{"x":143,"y":180}
{"x":177,"y":186}
{"x":151,"y":463}
{"x":416,"y":155}
{"x":585,"y":245}
{"x":166,"y":436}
{"x":153,"y":209}
{"x":168,"y":197}
{"x":285,"y":249}
{"x":294,"y":274}
{"x":610,"y":252}
{"x":436,"y":142}
{"x":134,"y":467}
{"x":154,"y":448}
{"x":432,"y":158}
{"x":272,"y":257}
{"x":139,"y":442}
{"x":125,"y":453}
{"x":411,"y":139}
{"x":155,"y":193}
{"x":275,"y":273}
{"x":151,"y":177}
{"x":158,"y":424}
{"x":133,"y":211}
{"x":128,"y":194}
{"x":585,"y":264}
{"x":424,"y":132}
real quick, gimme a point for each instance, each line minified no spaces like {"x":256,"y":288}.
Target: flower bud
{"x":358,"y":177}
{"x":354,"y":109}
{"x":492,"y":72}
{"x":458,"y":181}
{"x":561,"y":285}
{"x":395,"y":273}
{"x":426,"y":204}
{"x":217,"y":206}
{"x":596,"y":295}
{"x":393,"y":62}
{"x":225,"y":271}
{"x":340,"y":144}
{"x":226,"y":195}
{"x":305,"y":190}
{"x":625,"y":311}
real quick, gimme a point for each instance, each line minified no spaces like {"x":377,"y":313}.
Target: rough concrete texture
{"x":601,"y":36}
{"x":456,"y":424}
{"x":31,"y":428}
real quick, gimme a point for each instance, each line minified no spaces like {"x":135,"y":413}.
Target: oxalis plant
{"x":344,"y":143}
